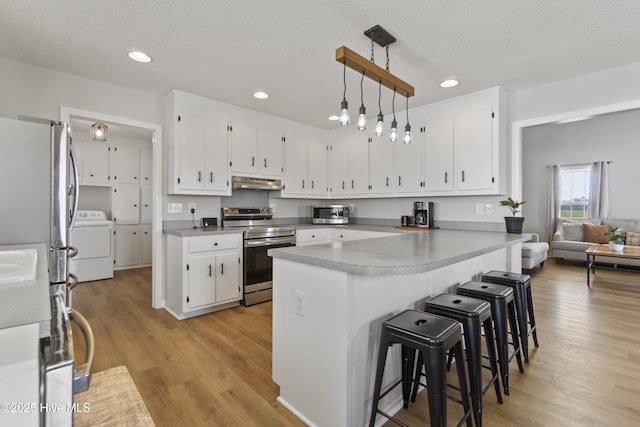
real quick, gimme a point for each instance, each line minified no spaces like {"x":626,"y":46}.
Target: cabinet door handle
{"x":222,"y":268}
{"x":343,"y":185}
{"x":303,"y":183}
{"x":209,"y":270}
{"x":352,"y":184}
{"x":199,"y":176}
{"x":446,"y":177}
{"x":253,"y":161}
{"x":312,"y":184}
{"x":387,"y":181}
{"x":462,"y":176}
{"x":211,"y":177}
{"x":265,"y":162}
{"x":399,"y":181}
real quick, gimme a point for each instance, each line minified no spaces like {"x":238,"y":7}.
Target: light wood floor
{"x":216,"y":369}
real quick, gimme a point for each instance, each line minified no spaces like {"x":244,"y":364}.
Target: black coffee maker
{"x":423,"y":217}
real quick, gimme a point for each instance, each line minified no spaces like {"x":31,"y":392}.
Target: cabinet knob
{"x":135,"y":206}
{"x":135,"y":177}
{"x":215,"y":244}
{"x":313,"y":236}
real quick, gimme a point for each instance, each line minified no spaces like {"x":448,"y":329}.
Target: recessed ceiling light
{"x":139,"y":56}
{"x":261,"y":95}
{"x":334,"y":118}
{"x":450,"y":83}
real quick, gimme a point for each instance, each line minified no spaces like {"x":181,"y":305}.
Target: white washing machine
{"x":92,"y":234}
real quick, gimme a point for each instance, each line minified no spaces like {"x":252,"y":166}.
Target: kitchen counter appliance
{"x":330,"y":214}
{"x":259,"y":235}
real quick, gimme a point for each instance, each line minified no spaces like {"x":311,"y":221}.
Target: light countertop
{"x":406,"y":253}
{"x":26,"y":302}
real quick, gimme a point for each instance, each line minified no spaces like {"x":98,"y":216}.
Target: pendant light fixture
{"x":362,"y":118}
{"x":407,"y":127}
{"x":344,"y":105}
{"x":99,"y":131}
{"x":379,"y":130}
{"x":393,"y":133}
{"x":347,"y":57}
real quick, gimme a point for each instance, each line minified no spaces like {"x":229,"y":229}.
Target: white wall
{"x":39,"y":92}
{"x":614,"y":137}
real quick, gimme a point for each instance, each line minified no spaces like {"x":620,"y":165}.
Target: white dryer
{"x":92,"y":234}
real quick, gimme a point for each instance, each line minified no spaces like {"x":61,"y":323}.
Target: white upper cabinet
{"x":474,"y":149}
{"x":318,"y":161}
{"x":270,"y":145}
{"x":126,"y":205}
{"x":380,"y":165}
{"x":124,"y":164}
{"x":358,"y":163}
{"x":256,"y":152}
{"x":408,"y":165}
{"x":305,"y":163}
{"x":216,"y":156}
{"x":244,"y":149}
{"x":94,"y":165}
{"x":198,"y":148}
{"x":437,"y":137}
{"x":339,"y":152}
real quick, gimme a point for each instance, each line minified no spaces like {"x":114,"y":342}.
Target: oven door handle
{"x":82,"y":373}
{"x":270,"y":242}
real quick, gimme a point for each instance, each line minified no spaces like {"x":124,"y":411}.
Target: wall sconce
{"x":99,"y":131}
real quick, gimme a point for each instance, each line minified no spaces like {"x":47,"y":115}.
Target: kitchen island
{"x":329,"y":302}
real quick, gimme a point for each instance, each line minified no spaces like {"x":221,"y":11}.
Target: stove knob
{"x":263,"y":211}
{"x":235,"y":211}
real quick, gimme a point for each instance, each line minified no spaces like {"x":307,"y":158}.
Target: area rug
{"x":112,"y":400}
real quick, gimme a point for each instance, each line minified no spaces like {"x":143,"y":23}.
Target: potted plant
{"x":615,"y":236}
{"x":514,"y":223}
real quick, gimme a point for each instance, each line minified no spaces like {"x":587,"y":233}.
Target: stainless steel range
{"x":259,"y":235}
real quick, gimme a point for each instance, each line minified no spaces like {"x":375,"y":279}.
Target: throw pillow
{"x":632,"y":239}
{"x":573,"y":231}
{"x":595,"y":233}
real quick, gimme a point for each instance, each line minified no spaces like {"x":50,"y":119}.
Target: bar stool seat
{"x":432,"y":336}
{"x":521,"y":285}
{"x":503,"y":311}
{"x":474,"y":314}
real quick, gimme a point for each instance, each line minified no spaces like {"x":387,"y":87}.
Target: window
{"x":575,"y":184}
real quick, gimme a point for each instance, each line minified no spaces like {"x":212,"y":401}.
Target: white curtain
{"x":553,"y":203}
{"x":599,"y":197}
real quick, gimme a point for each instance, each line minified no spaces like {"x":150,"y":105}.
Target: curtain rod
{"x":578,"y":164}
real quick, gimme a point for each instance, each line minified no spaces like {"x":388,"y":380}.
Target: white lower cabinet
{"x":313,"y":236}
{"x":127,"y":246}
{"x":203,"y":273}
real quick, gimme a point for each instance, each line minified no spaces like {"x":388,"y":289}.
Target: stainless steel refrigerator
{"x":39,"y":196}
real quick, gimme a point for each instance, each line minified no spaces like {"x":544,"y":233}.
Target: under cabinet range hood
{"x":250,"y":183}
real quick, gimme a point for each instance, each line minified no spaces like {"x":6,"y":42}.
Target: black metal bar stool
{"x":503,"y":311}
{"x":432,"y":336}
{"x":474,"y":314}
{"x":521,"y":285}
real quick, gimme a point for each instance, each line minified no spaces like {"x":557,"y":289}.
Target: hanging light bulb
{"x":393,"y":133}
{"x":344,"y":105}
{"x":379,"y":130}
{"x":362,"y":118}
{"x":407,"y":128}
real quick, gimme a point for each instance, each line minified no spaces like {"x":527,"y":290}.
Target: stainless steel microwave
{"x":330,"y":214}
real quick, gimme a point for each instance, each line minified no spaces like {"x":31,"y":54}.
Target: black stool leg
{"x":436,"y":387}
{"x":462,"y":381}
{"x":408,"y":359}
{"x":472,"y":340}
{"x":514,"y":335}
{"x":532,"y":317}
{"x":491,"y":349}
{"x":520,"y":299}
{"x":500,"y":320}
{"x":416,"y":378}
{"x":382,"y":358}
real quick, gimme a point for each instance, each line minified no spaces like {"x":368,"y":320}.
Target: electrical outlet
{"x":352,"y":209}
{"x":301,"y":304}
{"x":488,"y":209}
{"x":273,"y":207}
{"x":174,"y":208}
{"x":192,"y":208}
{"x":479,"y":208}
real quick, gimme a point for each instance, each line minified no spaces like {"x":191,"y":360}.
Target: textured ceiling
{"x":225,"y":50}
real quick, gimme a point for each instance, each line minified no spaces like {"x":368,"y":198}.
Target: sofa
{"x":569,"y":239}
